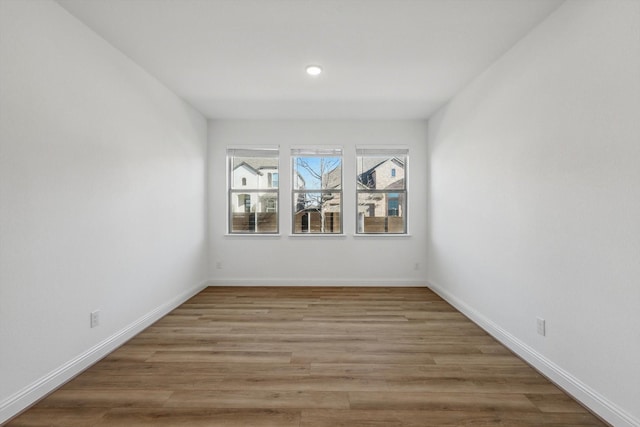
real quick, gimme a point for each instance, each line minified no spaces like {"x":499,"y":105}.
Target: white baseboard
{"x":319,"y":282}
{"x":590,"y":398}
{"x":19,"y":401}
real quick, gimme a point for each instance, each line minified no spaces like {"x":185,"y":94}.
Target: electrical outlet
{"x":541,"y":324}
{"x":416,"y":266}
{"x":95,"y":318}
{"x":219,"y":265}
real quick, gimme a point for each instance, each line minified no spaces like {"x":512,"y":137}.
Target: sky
{"x":311,"y":182}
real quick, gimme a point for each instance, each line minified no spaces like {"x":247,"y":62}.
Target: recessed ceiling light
{"x":314,"y":70}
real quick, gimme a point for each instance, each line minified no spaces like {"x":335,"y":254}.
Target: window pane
{"x":254,"y":212}
{"x":381,"y":212}
{"x":381,"y":189}
{"x":317,"y":212}
{"x":253,"y":190}
{"x":317,"y":190}
{"x":317,"y":173}
{"x":253,"y":172}
{"x":381,"y":173}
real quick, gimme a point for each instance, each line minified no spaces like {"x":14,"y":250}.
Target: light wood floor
{"x":310,"y":357}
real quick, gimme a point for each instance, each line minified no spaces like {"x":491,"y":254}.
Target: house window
{"x":393,"y":204}
{"x":244,"y":203}
{"x":317,"y":190}
{"x":253,"y":197}
{"x":381,"y":189}
{"x":272,"y":180}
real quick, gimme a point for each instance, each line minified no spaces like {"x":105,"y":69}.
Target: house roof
{"x":370,"y":165}
{"x":256,"y":163}
{"x":396,"y":185}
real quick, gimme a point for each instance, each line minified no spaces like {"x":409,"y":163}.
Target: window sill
{"x":321,"y":235}
{"x":384,"y":235}
{"x":278,"y":235}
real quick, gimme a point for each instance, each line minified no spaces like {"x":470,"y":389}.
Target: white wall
{"x":102,"y":186}
{"x":323,"y":260}
{"x":535,"y":201}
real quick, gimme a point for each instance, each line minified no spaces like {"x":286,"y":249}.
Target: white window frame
{"x":383,"y":152}
{"x":316,"y":151}
{"x":271,"y":152}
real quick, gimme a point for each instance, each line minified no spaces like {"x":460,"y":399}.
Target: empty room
{"x":319,"y":213}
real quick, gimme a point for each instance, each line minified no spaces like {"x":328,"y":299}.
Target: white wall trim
{"x":21,"y":400}
{"x":590,"y":398}
{"x":319,"y":282}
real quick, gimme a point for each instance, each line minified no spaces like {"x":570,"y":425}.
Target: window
{"x":244,"y":203}
{"x":393,"y":205}
{"x":317,"y":190}
{"x":381,"y":190}
{"x":253,"y":192}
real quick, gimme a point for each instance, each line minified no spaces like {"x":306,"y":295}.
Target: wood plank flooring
{"x":310,"y":357}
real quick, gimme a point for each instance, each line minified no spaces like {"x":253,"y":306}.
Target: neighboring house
{"x":256,"y":174}
{"x":331,"y":181}
{"x":387,"y":174}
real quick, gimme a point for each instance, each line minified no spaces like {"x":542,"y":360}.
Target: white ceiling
{"x":383,"y":59}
